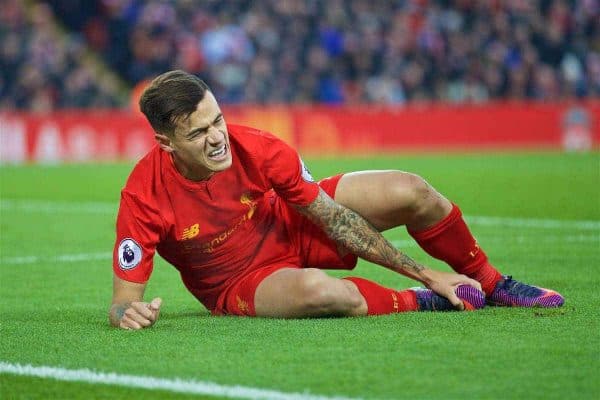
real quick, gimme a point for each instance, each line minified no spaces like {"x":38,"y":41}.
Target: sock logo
{"x":475,"y":251}
{"x":395,"y":300}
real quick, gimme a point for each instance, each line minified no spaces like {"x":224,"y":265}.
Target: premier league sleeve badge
{"x":130,"y":254}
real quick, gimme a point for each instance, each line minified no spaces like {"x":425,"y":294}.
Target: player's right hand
{"x":140,"y":314}
{"x":445,"y":284}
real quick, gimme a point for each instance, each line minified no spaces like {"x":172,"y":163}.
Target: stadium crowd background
{"x":78,"y":54}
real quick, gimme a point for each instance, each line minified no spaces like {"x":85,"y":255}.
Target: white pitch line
{"x":107,"y":208}
{"x":552,"y":239}
{"x":60,"y":258}
{"x":547,"y":239}
{"x":155,"y":383}
{"x":52,"y":207}
{"x":533,"y":223}
{"x":402,"y":244}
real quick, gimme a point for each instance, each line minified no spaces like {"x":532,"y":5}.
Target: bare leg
{"x":386,"y":199}
{"x":392,"y":198}
{"x":309,"y":292}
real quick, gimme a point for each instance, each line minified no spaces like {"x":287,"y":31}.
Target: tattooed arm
{"x":350,"y":230}
{"x":128,"y":311}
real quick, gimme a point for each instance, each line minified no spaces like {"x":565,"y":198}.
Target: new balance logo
{"x":191,"y":232}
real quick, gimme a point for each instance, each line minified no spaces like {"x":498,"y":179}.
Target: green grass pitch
{"x":57,"y":233}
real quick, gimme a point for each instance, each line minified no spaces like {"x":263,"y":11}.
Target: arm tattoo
{"x":120,"y":310}
{"x":117,"y":311}
{"x":352,"y":231}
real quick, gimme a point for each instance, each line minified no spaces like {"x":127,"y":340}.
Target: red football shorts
{"x":314,"y":248}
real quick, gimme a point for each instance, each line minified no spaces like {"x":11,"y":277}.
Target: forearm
{"x":349,"y":229}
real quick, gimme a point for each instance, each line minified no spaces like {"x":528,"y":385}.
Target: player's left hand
{"x":139,"y":315}
{"x":445,"y":284}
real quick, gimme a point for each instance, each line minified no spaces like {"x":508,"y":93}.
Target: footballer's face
{"x":200,"y":143}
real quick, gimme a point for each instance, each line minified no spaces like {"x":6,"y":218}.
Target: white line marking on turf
{"x":150,"y":382}
{"x":533,"y":223}
{"x":547,"y":239}
{"x":553,"y":239}
{"x":51,"y":207}
{"x":59,"y":258}
{"x":402,"y":244}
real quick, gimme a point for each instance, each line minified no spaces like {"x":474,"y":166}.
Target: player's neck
{"x":190,"y":173}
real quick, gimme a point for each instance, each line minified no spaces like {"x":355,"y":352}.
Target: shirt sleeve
{"x":288,"y":175}
{"x":138,"y":233}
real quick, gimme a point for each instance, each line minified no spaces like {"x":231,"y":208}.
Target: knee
{"x":325,"y":295}
{"x":313,"y":287}
{"x":410,"y":192}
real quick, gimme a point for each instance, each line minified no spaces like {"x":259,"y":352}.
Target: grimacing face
{"x":200,"y":143}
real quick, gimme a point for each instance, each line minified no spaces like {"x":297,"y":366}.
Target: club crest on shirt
{"x":305,"y":172}
{"x":130,"y":254}
{"x":247,"y":200}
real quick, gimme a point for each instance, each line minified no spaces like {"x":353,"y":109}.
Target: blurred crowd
{"x":42,"y":68}
{"x":300,"y":51}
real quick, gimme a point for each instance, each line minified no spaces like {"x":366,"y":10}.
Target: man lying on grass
{"x":235,"y":210}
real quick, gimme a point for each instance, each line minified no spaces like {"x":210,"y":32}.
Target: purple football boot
{"x":428,"y":300}
{"x":511,"y":293}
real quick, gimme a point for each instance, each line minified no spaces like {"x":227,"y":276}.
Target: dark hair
{"x":169,"y":97}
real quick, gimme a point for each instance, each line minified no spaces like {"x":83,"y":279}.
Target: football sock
{"x":381,"y":300}
{"x":451,"y":241}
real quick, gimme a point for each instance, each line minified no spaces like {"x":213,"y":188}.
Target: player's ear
{"x":164,"y":142}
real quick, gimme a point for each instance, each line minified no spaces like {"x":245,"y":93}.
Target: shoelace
{"x":516,"y":288}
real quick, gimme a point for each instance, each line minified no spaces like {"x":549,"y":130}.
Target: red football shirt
{"x":212,"y":231}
